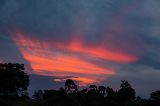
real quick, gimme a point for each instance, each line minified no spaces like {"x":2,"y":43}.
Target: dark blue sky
{"x":90,"y":41}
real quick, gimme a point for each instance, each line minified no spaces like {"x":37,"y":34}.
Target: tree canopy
{"x":13,"y":79}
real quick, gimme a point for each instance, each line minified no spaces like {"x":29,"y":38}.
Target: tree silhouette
{"x":70,"y":86}
{"x":102,"y":90}
{"x":110,"y":93}
{"x":13,"y":79}
{"x":93,"y":87}
{"x":38,"y":95}
{"x":155,"y":95}
{"x":58,"y":98}
{"x":155,"y":98}
{"x":126,"y":93}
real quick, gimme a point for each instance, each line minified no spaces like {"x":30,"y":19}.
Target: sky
{"x":90,"y":41}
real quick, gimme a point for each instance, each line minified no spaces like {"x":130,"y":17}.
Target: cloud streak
{"x":45,"y":57}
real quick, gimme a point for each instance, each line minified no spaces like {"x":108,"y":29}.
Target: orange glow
{"x":47,"y":60}
{"x":25,"y":42}
{"x":84,"y":81}
{"x":65,"y":64}
{"x":76,"y":46}
{"x":43,"y":61}
{"x":100,"y":52}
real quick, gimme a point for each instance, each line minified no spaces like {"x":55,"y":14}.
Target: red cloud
{"x":45,"y":58}
{"x":100,"y":52}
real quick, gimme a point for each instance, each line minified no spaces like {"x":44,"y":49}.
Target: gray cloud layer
{"x":132,"y":26}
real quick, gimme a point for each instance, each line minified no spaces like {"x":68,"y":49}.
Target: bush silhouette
{"x":13,"y":79}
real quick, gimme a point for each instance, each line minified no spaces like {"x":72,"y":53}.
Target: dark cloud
{"x":130,"y":27}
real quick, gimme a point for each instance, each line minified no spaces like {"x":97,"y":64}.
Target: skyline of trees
{"x":14,"y":83}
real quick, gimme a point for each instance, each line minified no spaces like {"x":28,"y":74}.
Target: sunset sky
{"x":90,"y":41}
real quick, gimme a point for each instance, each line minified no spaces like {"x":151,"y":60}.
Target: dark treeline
{"x":14,"y":83}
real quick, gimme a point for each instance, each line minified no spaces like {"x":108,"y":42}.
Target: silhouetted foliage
{"x":111,"y":94}
{"x":38,"y":95}
{"x":58,"y":98}
{"x":126,"y":93}
{"x":155,"y":95}
{"x":93,"y":87}
{"x":13,"y":79}
{"x":155,"y":98}
{"x":70,"y":86}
